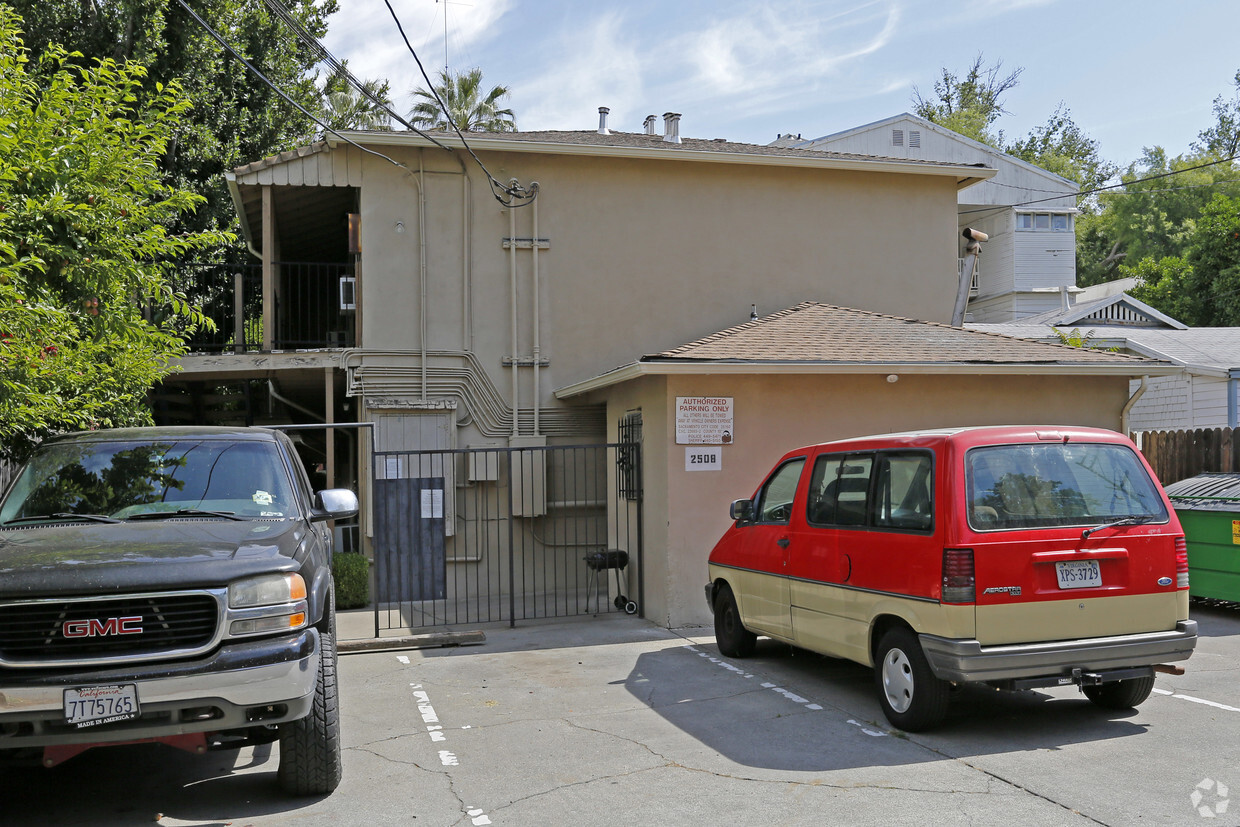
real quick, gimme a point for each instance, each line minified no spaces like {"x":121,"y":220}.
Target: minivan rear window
{"x":1060,"y":484}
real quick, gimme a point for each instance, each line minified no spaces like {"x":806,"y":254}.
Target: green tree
{"x":971,"y":104}
{"x":346,"y":107}
{"x":469,"y":108}
{"x":1222,"y":140}
{"x":234,"y":117}
{"x":1203,"y":288}
{"x":85,"y":241}
{"x":1062,"y":147}
{"x":1150,"y":218}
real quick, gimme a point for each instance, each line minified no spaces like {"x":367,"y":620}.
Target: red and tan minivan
{"x":1019,"y":557}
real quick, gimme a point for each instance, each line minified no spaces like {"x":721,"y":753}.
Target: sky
{"x":1132,"y":73}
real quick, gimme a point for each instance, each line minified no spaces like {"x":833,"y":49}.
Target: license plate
{"x":94,"y":705}
{"x":1078,"y":574}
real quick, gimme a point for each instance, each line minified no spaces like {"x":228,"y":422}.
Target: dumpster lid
{"x":1214,"y":491}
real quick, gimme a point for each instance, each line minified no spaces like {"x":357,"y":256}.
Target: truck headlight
{"x":267,"y":604}
{"x":268,"y":590}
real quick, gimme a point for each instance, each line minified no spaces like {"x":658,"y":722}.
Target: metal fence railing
{"x":504,"y":534}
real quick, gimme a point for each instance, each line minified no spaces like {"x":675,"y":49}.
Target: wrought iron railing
{"x":314,"y":306}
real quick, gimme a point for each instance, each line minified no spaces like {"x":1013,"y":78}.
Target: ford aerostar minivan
{"x":1018,"y":557}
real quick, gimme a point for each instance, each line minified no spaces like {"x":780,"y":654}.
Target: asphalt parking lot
{"x":614,"y":721}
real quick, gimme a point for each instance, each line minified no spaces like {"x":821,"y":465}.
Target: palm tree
{"x":351,"y":109}
{"x":470,"y":110}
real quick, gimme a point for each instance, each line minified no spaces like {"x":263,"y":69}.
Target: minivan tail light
{"x":958,"y":576}
{"x":1181,"y":563}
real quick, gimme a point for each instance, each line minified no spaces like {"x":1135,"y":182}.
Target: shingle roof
{"x":824,"y":333}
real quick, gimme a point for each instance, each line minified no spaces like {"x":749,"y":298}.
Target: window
{"x":838,"y":489}
{"x":1064,"y":484}
{"x":904,"y":496}
{"x":1041,"y":221}
{"x":775,"y":501}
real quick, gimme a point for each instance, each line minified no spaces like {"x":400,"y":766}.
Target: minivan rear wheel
{"x":735,"y":641}
{"x":1123,"y":694}
{"x":912,"y":698}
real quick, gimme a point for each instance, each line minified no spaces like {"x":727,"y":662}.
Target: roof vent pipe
{"x":602,"y":120}
{"x":648,"y":124}
{"x":671,"y":127}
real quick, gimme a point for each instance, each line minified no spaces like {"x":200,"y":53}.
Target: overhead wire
{"x":326,"y":128}
{"x":1117,"y":186}
{"x":512,"y":192}
{"x":338,"y":66}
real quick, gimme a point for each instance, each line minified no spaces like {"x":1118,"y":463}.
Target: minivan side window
{"x":774,"y":503}
{"x":905,"y":491}
{"x":837,"y":492}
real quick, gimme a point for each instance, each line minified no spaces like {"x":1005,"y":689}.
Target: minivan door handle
{"x":783,"y":542}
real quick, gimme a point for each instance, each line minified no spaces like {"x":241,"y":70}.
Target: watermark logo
{"x":1210,"y":798}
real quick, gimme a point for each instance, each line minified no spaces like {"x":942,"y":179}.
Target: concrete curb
{"x":428,"y":641}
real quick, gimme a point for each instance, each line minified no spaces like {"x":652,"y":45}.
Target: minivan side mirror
{"x":741,"y":511}
{"x":333,"y":504}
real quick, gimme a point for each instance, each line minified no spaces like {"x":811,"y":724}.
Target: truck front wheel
{"x":310,"y":748}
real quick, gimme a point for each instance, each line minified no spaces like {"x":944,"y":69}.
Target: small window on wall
{"x":1041,"y":221}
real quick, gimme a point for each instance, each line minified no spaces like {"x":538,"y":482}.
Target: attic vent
{"x":914,"y":139}
{"x":897,"y":137}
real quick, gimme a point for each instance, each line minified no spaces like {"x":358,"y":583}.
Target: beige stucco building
{"x":461,"y":323}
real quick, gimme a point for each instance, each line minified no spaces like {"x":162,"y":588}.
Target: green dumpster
{"x":1208,"y":506}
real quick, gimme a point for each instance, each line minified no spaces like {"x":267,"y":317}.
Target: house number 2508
{"x":703,"y":459}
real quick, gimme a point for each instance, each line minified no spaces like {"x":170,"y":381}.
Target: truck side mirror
{"x":742,"y":511}
{"x":333,"y":504}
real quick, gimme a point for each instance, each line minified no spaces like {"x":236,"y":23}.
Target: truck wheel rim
{"x":898,"y":680}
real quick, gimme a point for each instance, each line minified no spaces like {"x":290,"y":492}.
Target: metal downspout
{"x":512,"y":290}
{"x":1132,"y":400}
{"x":422,"y":266}
{"x":537,"y":313}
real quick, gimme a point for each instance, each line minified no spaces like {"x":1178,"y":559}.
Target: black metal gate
{"x":506,"y":534}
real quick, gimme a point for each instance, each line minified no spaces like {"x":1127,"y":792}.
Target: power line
{"x":1122,"y":183}
{"x":220,"y":39}
{"x":511,"y":192}
{"x":338,"y":66}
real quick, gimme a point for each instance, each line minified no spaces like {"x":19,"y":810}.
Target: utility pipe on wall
{"x":512,"y":289}
{"x":1132,"y":400}
{"x":537,"y":349}
{"x":422,"y":264}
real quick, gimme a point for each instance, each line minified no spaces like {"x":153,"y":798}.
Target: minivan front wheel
{"x":735,"y":641}
{"x":1123,"y":694}
{"x":912,"y":698}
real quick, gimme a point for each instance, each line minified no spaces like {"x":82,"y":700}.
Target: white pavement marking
{"x":867,"y":730}
{"x":776,"y":688}
{"x":403,"y":659}
{"x":1190,"y":698}
{"x":436,"y":731}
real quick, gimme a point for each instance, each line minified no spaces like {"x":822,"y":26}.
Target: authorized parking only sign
{"x":704,"y":420}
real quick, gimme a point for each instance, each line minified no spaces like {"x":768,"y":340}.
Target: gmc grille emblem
{"x":95,"y":627}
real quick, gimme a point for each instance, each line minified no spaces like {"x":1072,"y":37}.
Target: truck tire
{"x":310,"y":747}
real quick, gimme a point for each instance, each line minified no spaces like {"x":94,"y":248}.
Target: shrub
{"x":352,"y":573}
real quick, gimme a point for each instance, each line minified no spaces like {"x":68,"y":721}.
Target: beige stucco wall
{"x":644,"y":255}
{"x":686,"y":512}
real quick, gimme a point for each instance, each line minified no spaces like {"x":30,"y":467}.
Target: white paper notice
{"x":432,"y":503}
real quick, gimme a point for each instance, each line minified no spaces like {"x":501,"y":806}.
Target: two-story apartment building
{"x":473,"y":336}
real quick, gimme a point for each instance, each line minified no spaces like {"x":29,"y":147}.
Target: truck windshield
{"x":1062,"y":484}
{"x":123,"y":480}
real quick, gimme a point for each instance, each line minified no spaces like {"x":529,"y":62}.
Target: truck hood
{"x":100,"y":558}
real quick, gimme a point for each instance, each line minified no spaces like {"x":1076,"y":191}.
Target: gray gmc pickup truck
{"x":170,"y":585}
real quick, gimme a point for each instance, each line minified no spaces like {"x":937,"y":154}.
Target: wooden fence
{"x":1178,"y":455}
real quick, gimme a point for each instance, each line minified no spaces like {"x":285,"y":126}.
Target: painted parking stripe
{"x":1202,"y":701}
{"x":778,"y":690}
{"x":438,"y":735}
